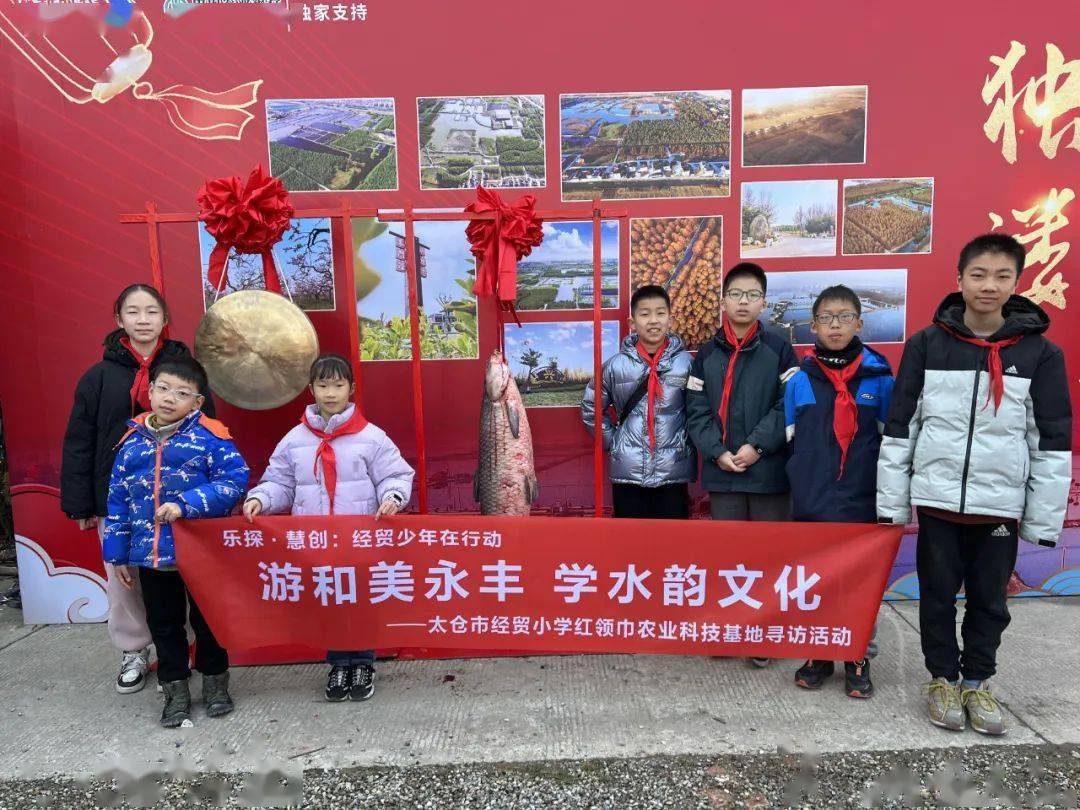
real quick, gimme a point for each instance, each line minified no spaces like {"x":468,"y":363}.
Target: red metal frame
{"x":152,"y":218}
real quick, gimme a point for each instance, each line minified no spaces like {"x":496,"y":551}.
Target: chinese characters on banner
{"x":333,"y":12}
{"x":1051,"y":103}
{"x":540,"y":584}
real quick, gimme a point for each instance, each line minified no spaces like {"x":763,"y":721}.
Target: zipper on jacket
{"x":971,"y":435}
{"x":157,"y":492}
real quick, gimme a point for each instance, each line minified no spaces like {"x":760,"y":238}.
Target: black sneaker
{"x":177,"y":703}
{"x":215,"y":692}
{"x":337,"y":683}
{"x":363,"y":682}
{"x":812,"y":674}
{"x":857,"y":681}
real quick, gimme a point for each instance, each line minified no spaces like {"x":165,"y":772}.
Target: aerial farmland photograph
{"x":491,"y":141}
{"x":558,"y":274}
{"x":804,"y":126}
{"x":333,"y":144}
{"x":888,"y":215}
{"x":788,"y":218}
{"x":646,"y":145}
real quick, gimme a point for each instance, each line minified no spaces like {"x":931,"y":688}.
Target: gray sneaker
{"x":983,"y":710}
{"x":943,"y":703}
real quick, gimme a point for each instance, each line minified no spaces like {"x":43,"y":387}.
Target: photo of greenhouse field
{"x":333,"y":144}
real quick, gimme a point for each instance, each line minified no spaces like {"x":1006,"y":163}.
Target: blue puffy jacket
{"x":198,"y":468}
{"x":816,"y":494}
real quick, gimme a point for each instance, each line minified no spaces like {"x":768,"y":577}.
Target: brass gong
{"x":257,"y":348}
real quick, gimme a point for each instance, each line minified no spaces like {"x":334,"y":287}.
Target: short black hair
{"x":649,"y":291}
{"x":330,"y":366}
{"x":745,"y":270}
{"x":993,"y":243}
{"x":187,"y":369}
{"x":838,"y":292}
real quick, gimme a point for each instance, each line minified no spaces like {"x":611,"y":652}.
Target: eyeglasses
{"x":753,"y":296}
{"x":844,"y":318}
{"x":180,"y":394}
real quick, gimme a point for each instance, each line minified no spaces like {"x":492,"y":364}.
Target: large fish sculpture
{"x":505,"y":481}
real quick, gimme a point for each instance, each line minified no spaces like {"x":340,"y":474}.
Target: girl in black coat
{"x":109,"y":394}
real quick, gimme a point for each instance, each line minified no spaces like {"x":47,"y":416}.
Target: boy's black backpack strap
{"x":635,"y":398}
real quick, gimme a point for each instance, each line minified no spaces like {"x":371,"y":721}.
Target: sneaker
{"x":133,"y":668}
{"x":338,"y":682}
{"x":761,"y":663}
{"x":215,"y":694}
{"x":177,"y":703}
{"x":812,"y":674}
{"x":857,"y":681}
{"x":943,"y":704}
{"x":983,"y":710}
{"x":362,"y":686}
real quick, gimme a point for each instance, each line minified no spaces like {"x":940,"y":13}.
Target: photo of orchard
{"x":684,"y":255}
{"x":888,"y":216}
{"x":304,"y":259}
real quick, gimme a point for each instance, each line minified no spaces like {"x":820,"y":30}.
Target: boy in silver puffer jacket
{"x":643,"y":414}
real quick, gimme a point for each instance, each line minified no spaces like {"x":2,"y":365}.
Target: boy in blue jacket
{"x":173,"y":462}
{"x":834,"y":409}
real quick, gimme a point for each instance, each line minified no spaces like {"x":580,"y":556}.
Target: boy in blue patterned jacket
{"x":173,"y":462}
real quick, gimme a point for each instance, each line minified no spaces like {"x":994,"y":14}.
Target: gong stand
{"x":346,"y":212}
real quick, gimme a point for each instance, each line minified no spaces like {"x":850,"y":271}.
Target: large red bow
{"x":499,"y":248}
{"x":251,"y":217}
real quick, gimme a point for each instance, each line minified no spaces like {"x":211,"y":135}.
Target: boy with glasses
{"x":735,"y":406}
{"x":834,"y":408}
{"x":173,"y":463}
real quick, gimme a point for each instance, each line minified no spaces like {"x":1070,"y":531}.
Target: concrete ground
{"x":60,"y":716}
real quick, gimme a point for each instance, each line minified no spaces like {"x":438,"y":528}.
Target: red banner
{"x":774,"y":590}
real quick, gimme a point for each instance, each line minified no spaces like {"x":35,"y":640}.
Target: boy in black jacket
{"x":735,"y":406}
{"x":979,"y":439}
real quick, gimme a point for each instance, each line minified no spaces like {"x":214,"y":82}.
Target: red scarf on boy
{"x":654,"y":387}
{"x":845,"y":412}
{"x":729,"y":375}
{"x":140,"y":389}
{"x":325,"y":454}
{"x":993,"y":364}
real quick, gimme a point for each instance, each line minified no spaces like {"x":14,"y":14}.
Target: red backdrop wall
{"x":69,"y":171}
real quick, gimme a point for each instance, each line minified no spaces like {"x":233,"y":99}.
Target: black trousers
{"x":750,"y":506}
{"x":667,"y":502}
{"x":980,"y":557}
{"x":169,"y":606}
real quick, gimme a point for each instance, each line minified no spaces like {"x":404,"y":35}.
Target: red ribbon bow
{"x":251,"y":217}
{"x":498,"y":245}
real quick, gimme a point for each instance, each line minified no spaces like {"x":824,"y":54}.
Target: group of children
{"x":975,"y":432}
{"x":141,"y":452}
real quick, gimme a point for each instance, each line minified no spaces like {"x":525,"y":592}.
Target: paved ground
{"x":533,"y":721}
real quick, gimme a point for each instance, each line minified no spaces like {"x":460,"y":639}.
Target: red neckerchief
{"x":729,"y":375}
{"x":654,"y":387}
{"x":325,"y":453}
{"x":140,"y":389}
{"x":997,"y":379}
{"x":845,"y":419}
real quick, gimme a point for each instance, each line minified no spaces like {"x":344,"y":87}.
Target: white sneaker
{"x":133,"y":669}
